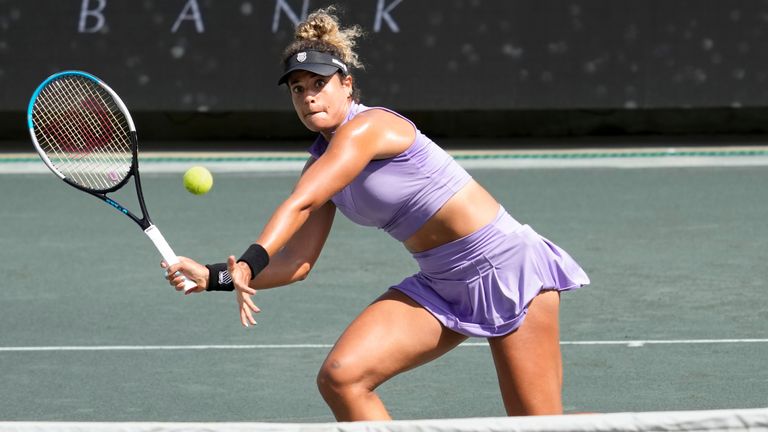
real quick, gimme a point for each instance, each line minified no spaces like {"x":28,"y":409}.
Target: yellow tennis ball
{"x":198,"y":180}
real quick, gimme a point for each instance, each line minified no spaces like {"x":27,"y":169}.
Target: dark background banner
{"x":479,"y":67}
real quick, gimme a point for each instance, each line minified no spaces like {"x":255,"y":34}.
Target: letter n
{"x":281,"y":5}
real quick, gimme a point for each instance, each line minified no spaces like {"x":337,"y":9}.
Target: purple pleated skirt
{"x":481,"y":285}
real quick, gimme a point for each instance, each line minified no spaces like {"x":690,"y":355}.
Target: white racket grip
{"x":165,"y":250}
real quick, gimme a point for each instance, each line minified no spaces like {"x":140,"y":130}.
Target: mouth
{"x":314,"y":116}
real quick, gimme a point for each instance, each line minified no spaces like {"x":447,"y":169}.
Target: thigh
{"x":390,"y":336}
{"x":528,"y":360}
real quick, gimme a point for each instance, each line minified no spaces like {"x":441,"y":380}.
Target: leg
{"x":528,"y":361}
{"x":392,"y":335}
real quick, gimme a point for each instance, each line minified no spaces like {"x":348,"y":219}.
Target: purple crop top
{"x":401,"y":193}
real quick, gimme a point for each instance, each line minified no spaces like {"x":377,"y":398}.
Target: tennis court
{"x":674,"y":241}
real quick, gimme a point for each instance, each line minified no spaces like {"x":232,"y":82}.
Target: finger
{"x":164,"y":266}
{"x":249,"y":315}
{"x":233,"y":267}
{"x":243,"y":318}
{"x":181,"y":286}
{"x":177,"y":280}
{"x":231,"y":264}
{"x":196,"y":289}
{"x":245,"y":289}
{"x":238,"y":278}
{"x":172,"y":271}
{"x":175,"y":268}
{"x":240,"y":310}
{"x":251,"y":305}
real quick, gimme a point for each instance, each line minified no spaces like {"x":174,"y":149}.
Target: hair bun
{"x":318,"y":26}
{"x":323,"y":25}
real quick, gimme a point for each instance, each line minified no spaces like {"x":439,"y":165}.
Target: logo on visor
{"x":340,"y":64}
{"x":301,"y":57}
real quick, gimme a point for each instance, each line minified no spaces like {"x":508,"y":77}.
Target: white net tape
{"x":717,"y":420}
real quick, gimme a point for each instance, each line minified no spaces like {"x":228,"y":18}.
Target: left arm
{"x":375,"y":134}
{"x":290,"y":264}
{"x":371,"y":135}
{"x":294,"y":261}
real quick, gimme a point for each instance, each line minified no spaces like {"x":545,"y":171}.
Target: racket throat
{"x":117,"y":206}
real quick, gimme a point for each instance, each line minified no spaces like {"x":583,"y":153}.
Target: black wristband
{"x":219,"y":278}
{"x":256,"y":257}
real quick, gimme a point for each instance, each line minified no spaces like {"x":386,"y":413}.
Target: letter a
{"x":96,"y":13}
{"x":191,"y":12}
{"x":382,"y":12}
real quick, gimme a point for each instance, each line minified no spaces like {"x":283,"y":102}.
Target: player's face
{"x":321,"y":102}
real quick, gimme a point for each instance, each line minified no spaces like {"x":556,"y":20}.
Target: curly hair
{"x":322,"y":31}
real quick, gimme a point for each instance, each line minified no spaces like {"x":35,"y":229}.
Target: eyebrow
{"x":312,"y":75}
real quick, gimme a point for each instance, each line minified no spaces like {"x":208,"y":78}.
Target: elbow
{"x":302,"y":271}
{"x":290,"y":265}
{"x":300,"y":204}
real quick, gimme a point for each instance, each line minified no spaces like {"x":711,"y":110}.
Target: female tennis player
{"x":482,"y":273}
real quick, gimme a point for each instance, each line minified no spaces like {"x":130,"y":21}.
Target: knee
{"x":338,"y":376}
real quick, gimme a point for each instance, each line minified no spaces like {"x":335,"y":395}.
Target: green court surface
{"x":675,"y":317}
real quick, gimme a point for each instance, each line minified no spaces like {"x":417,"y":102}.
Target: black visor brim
{"x":320,"y":69}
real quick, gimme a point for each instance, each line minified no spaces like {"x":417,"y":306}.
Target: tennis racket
{"x":85,"y":135}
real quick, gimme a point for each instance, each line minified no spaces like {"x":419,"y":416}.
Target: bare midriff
{"x":470,"y":209}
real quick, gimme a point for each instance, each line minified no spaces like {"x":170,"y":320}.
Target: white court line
{"x":626,"y":343}
{"x":293,"y":162}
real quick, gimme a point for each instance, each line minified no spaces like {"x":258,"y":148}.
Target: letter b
{"x":85,"y":13}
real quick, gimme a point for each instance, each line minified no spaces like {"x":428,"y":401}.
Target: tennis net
{"x":715,"y":420}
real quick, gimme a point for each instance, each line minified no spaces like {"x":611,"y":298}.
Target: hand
{"x":241,"y":276}
{"x":190,"y":269}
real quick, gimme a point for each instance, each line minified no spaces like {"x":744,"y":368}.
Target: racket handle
{"x":165,"y":250}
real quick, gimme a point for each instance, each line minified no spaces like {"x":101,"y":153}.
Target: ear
{"x":347,"y":82}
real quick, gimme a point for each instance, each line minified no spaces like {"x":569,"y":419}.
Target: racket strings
{"x":96,"y":153}
{"x":108,"y":148}
{"x":83,"y":131}
{"x":73,"y":141}
{"x":57,"y":143}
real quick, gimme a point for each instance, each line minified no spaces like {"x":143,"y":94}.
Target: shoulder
{"x":378,"y":123}
{"x":382,"y":133}
{"x":377,"y":116}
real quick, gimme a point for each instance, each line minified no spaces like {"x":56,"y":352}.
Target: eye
{"x":320,"y":83}
{"x":297,"y":89}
